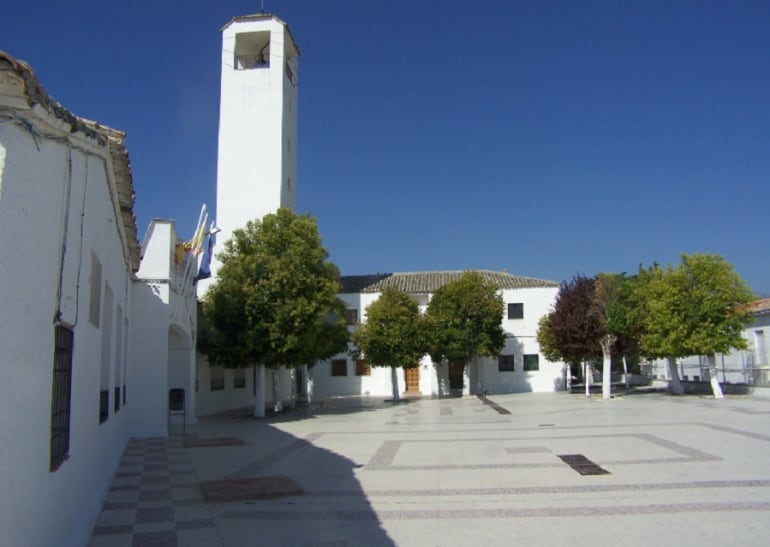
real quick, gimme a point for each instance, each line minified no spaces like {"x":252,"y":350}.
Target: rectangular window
{"x":124,"y":380}
{"x":61,"y":395}
{"x":217,"y":378}
{"x":760,"y":348}
{"x":118,"y":355}
{"x":104,"y":405}
{"x":531,"y":362}
{"x":516,"y":311}
{"x":351,"y":317}
{"x":339,"y":367}
{"x":104,"y":393}
{"x":505,"y":363}
{"x":363,"y":368}
{"x":95,"y":282}
{"x":239,"y":378}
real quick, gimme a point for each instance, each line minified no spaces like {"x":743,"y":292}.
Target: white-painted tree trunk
{"x":293,"y":378}
{"x":394,"y":381}
{"x":625,"y":371}
{"x":606,"y":344}
{"x":715,"y":387}
{"x":676,"y":384}
{"x":308,"y":383}
{"x":259,"y":397}
{"x":587,"y":375}
{"x":277,"y":406}
{"x":567,"y":377}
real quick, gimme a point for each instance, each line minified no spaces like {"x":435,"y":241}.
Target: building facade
{"x":520,"y":367}
{"x":69,"y":246}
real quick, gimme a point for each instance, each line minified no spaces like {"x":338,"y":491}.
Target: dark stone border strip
{"x":255,"y":488}
{"x":541,"y":490}
{"x":192,"y":442}
{"x":471,"y":514}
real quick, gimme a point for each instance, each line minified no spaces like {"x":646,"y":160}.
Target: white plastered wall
{"x":56,"y":208}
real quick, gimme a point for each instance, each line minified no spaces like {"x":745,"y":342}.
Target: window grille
{"x":61,"y":395}
{"x":104,"y":405}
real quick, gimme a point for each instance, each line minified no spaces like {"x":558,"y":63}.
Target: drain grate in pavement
{"x":582,"y":465}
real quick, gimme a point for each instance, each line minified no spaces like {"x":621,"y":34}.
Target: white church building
{"x":256,"y":175}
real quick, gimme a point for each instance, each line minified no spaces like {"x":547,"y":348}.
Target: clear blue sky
{"x":544,"y":137}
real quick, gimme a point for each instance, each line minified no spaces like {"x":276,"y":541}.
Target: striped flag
{"x":204,"y":272}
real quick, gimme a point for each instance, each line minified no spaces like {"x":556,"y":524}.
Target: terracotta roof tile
{"x":428,"y":282}
{"x":759,"y":307}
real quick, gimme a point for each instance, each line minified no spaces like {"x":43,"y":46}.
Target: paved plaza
{"x":655,"y":469}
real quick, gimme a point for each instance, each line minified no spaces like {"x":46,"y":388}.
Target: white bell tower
{"x":257,"y":159}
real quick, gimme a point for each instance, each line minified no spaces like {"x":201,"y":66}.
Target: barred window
{"x":95,"y":303}
{"x":61,"y":395}
{"x":351,"y":317}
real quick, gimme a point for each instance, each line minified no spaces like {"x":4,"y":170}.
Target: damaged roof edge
{"x":34,"y":94}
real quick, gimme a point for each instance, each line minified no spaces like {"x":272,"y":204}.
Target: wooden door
{"x":412,"y":377}
{"x":456,"y":379}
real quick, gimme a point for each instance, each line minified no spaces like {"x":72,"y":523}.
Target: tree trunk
{"x":259,"y":396}
{"x":587,"y":374}
{"x":277,"y":406}
{"x":606,"y":344}
{"x":567,"y":377}
{"x":394,"y":381}
{"x":715,"y":387}
{"x":293,"y":378}
{"x":308,"y":383}
{"x":676,"y":385}
{"x":625,"y":370}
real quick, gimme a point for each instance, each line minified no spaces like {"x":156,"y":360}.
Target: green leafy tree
{"x":549,"y":346}
{"x":275,"y":300}
{"x":612,"y":316}
{"x":463,"y":321}
{"x":697,"y":308}
{"x":392,"y":335}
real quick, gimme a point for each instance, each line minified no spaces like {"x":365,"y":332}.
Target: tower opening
{"x":252,"y":50}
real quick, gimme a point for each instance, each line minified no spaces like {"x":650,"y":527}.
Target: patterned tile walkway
{"x":154,"y":500}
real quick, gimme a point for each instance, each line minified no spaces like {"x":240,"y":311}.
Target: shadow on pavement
{"x":332,"y":508}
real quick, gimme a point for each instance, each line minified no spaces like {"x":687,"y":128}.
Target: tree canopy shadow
{"x":332,"y":509}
